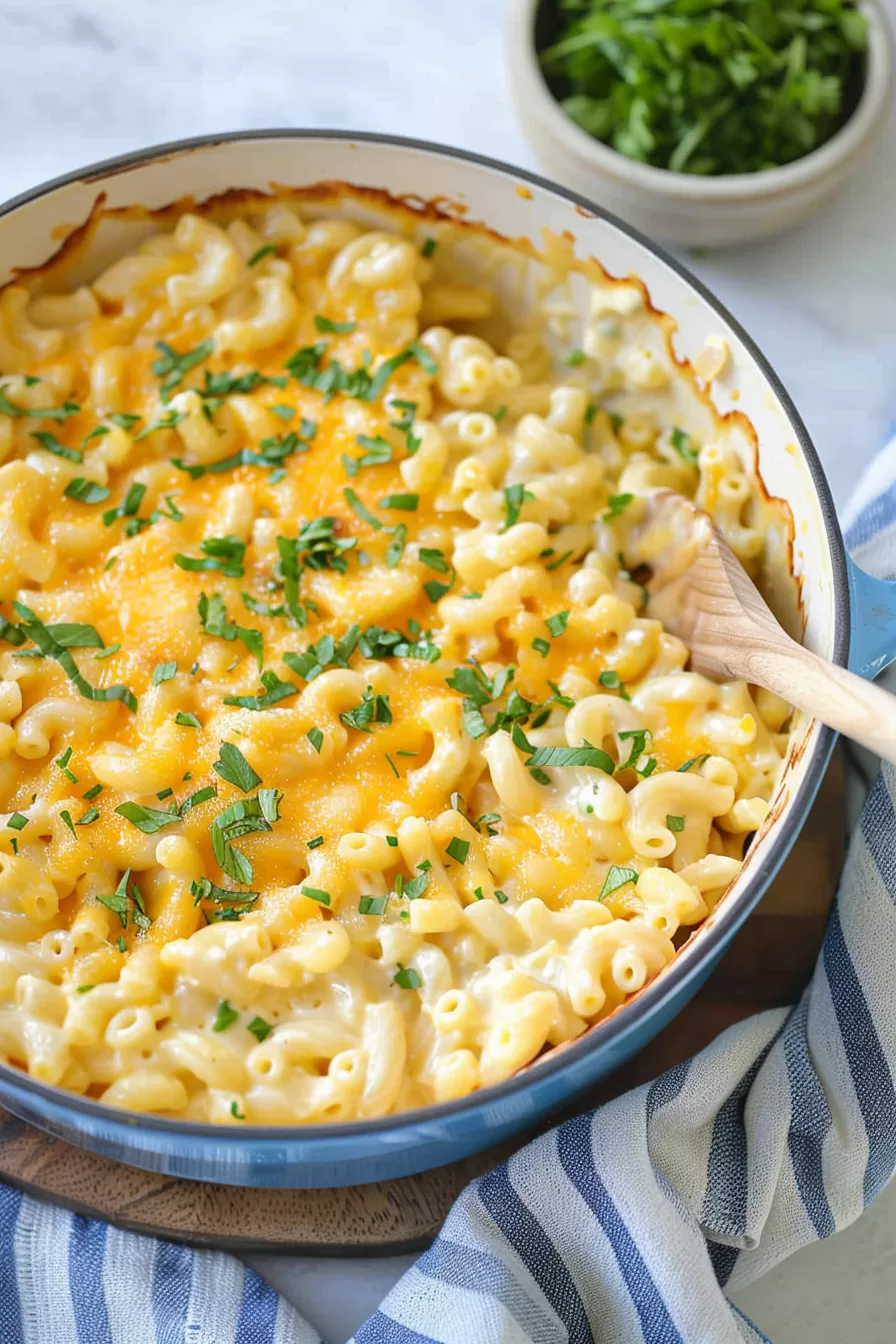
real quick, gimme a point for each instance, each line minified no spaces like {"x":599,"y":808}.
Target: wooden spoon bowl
{"x":701,"y":592}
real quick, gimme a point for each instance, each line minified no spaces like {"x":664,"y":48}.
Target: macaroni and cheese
{"x":343,"y":768}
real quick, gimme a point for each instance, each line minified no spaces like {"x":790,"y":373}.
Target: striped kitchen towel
{"x":628,"y":1224}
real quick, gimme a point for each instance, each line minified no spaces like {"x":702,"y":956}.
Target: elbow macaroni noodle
{"x":343,"y":767}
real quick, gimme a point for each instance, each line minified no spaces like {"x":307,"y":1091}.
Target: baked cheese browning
{"x":342,"y":766}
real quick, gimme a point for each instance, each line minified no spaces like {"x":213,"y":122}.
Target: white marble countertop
{"x":81,"y":80}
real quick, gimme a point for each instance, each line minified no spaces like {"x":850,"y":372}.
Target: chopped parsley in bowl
{"x":706,"y":87}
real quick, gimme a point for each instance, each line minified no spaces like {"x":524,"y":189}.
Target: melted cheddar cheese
{"x":342,"y":766}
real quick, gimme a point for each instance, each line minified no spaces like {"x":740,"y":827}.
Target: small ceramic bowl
{"x":681,"y":207}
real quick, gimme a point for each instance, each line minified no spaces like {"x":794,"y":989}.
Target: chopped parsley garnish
{"x":92,"y":793}
{"x":684,"y":445}
{"x":327,"y":652}
{"x":146,"y":819}
{"x":360,"y":508}
{"x":377,"y":643}
{"x":163,"y":672}
{"x":223,"y":553}
{"x":561,"y":559}
{"x":233,"y":766}
{"x":638,"y":738}
{"x":458,"y":849}
{"x":414,"y":889}
{"x":225,"y":1016}
{"x":617,"y":877}
{"x":675,"y":823}
{"x":239,"y":819}
{"x":575,"y":358}
{"x":306,"y":367}
{"x":259,"y":1028}
{"x":89,"y":817}
{"x":124,"y":419}
{"x":557,"y":624}
{"x":407,"y":503}
{"x":316,"y":738}
{"x":194,"y":800}
{"x":616,"y":504}
{"x":501,"y":897}
{"x":324,"y":324}
{"x":407,"y":978}
{"x":610,"y":680}
{"x":268,"y":250}
{"x":213,"y":615}
{"x":169,"y":420}
{"x":62,"y":763}
{"x":218,"y":385}
{"x":315,"y":843}
{"x":435,"y":559}
{"x":585,"y":755}
{"x":88,"y":492}
{"x":129,"y":508}
{"x":316,"y":894}
{"x":406,"y":424}
{"x":319,"y":545}
{"x":392,"y":841}
{"x":541,"y":646}
{"x":172,"y":512}
{"x":171,"y":365}
{"x":499,"y":414}
{"x":205,"y":890}
{"x":374,"y":708}
{"x":186,"y":720}
{"x":52,"y":445}
{"x":236,"y":1112}
{"x":274,"y":689}
{"x":373,"y":905}
{"x":70,"y":635}
{"x":711,"y":90}
{"x":514,"y":498}
{"x":17,"y":822}
{"x":395,"y":549}
{"x":272,"y":452}
{"x":377,"y":451}
{"x":479,"y":691}
{"x":694,"y":761}
{"x":428,"y":248}
{"x":52,"y":647}
{"x":117,"y":902}
{"x":60,"y":413}
{"x":85,"y":989}
{"x":67,"y":818}
{"x":435,"y":590}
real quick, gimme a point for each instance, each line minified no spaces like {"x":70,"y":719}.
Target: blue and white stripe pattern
{"x":629,"y":1225}
{"x":70,"y":1280}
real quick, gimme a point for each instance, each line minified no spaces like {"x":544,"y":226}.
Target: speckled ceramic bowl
{"x":680,"y":207}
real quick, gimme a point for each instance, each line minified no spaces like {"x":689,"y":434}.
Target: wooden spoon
{"x":701,"y":592}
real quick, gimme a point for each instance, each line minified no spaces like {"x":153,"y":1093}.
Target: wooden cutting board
{"x":767,"y":965}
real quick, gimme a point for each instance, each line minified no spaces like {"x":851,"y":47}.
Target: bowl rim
{"x":681,"y":972}
{"x":855,"y":134}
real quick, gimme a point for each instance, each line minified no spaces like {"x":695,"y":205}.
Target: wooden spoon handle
{"x":855,"y":707}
